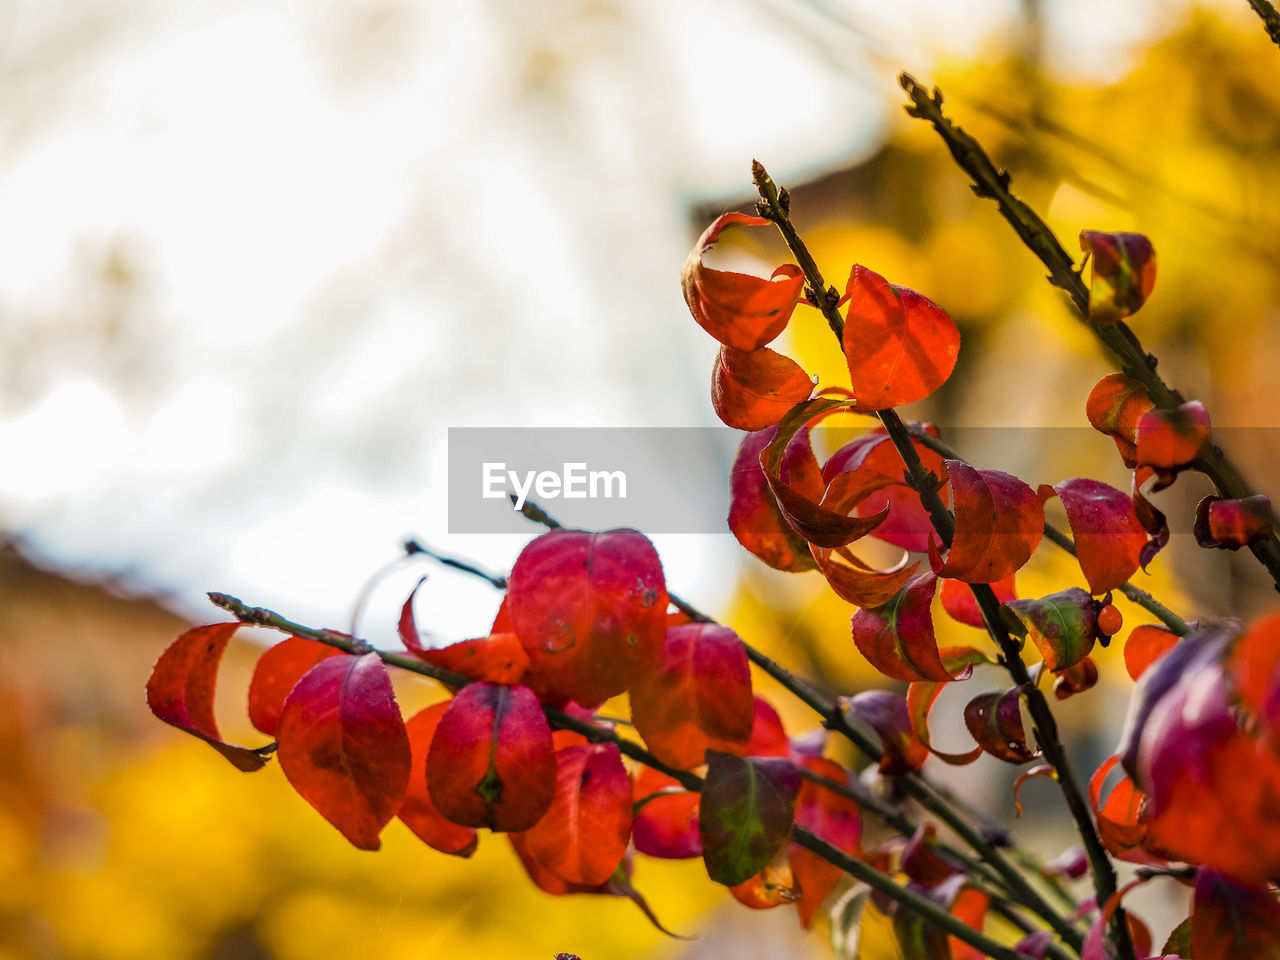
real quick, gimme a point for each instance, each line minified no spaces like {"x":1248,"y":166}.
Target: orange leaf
{"x":999,"y":522}
{"x":900,"y":346}
{"x":751,"y":390}
{"x":738,"y":309}
{"x":1115,"y":405}
{"x":1146,"y":644}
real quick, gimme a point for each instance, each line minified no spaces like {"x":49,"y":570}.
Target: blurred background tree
{"x":254,"y":261}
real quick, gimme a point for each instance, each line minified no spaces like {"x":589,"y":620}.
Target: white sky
{"x":346,"y":226}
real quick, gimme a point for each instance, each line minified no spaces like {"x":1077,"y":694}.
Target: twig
{"x":1270,"y":18}
{"x":412,"y":547}
{"x":1046,"y":727}
{"x":1133,"y":358}
{"x":1063,"y":540}
{"x":261,"y":616}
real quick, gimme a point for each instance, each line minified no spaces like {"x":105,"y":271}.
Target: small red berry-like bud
{"x":1109,"y":621}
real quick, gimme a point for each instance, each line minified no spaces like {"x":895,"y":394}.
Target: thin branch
{"x":1139,"y":596}
{"x":924,"y":484}
{"x":261,"y":616}
{"x":412,"y":547}
{"x":1270,"y":18}
{"x":1134,"y":360}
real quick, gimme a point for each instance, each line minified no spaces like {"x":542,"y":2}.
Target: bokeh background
{"x":257,"y":258}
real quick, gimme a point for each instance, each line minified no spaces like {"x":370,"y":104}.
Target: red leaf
{"x":1040,"y":770}
{"x":900,"y":346}
{"x":856,"y":582}
{"x":887,"y":714}
{"x":583,"y":836}
{"x":1146,"y":644}
{"x":698,"y":699}
{"x":826,"y":523}
{"x":497,"y":658}
{"x":920,"y":860}
{"x":590,"y":610}
{"x":1115,"y":405}
{"x":959,"y":662}
{"x":491,"y":762}
{"x":277,"y":671}
{"x":418,"y":812}
{"x":995,"y":721}
{"x":752,"y":389}
{"x":544,"y":879}
{"x":960,"y":604}
{"x":180,"y":690}
{"x":1232,"y":524}
{"x":768,"y":738}
{"x":1124,"y":274}
{"x":1255,"y":671}
{"x":1094,"y":944}
{"x":738,"y":309}
{"x":833,"y":817}
{"x":1109,"y":538}
{"x":908,"y":525}
{"x":667,"y":825}
{"x":343,"y":745}
{"x":999,"y":522}
{"x":754,"y":517}
{"x":1230,"y":921}
{"x":1120,"y":825}
{"x":897,"y":638}
{"x":1076,"y":678}
{"x":1169,"y":440}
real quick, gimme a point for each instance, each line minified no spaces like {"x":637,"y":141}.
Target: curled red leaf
{"x":920,"y":860}
{"x":999,"y":522}
{"x":343,"y":745}
{"x":897,"y":638}
{"x":825,"y":523}
{"x":995,"y":721}
{"x":753,"y":389}
{"x":497,"y":658}
{"x":491,"y":762}
{"x":1124,"y":273}
{"x":1074,"y":679}
{"x":1109,"y":538}
{"x":1115,"y":406}
{"x":180,"y":689}
{"x":1232,"y":524}
{"x":1039,"y":770}
{"x":738,"y":309}
{"x":900,"y":346}
{"x":754,"y":517}
{"x":959,"y":662}
{"x":887,"y":714}
{"x":699,"y":698}
{"x":590,"y":611}
{"x":1169,"y":440}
